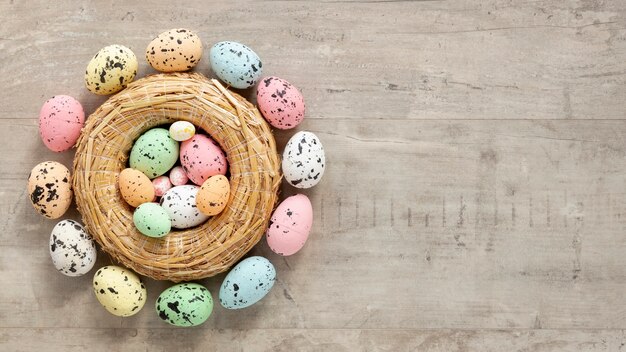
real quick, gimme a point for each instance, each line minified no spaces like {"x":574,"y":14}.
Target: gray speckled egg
{"x":72,"y":249}
{"x":248,"y":282}
{"x":180,"y":204}
{"x":236,"y":64}
{"x":304,"y":160}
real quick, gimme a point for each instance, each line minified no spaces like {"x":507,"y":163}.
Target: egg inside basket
{"x":235,"y":124}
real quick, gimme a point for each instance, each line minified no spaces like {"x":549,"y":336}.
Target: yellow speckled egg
{"x":175,"y":50}
{"x":119,"y":290}
{"x":49,"y":187}
{"x":135,"y":187}
{"x":213,"y":195}
{"x":111,"y":70}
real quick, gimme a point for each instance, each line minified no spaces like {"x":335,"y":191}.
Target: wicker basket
{"x":102,"y":152}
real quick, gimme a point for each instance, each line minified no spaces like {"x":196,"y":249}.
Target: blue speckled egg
{"x":236,"y":64}
{"x":247,"y":283}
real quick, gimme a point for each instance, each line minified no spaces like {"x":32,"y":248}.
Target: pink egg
{"x":202,"y":158}
{"x":60,"y":120}
{"x":178,"y":177}
{"x":280,"y":102}
{"x":290,"y":225}
{"x":161,"y":185}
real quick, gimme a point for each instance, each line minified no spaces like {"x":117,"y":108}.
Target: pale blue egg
{"x":247,"y":283}
{"x":236,"y":64}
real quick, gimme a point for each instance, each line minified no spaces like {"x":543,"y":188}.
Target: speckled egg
{"x":290,"y":225}
{"x":154,"y":153}
{"x":213,"y":195}
{"x":236,"y":64}
{"x":174,"y":51}
{"x":49,"y":188}
{"x":60,"y":120}
{"x":304,"y":160}
{"x":161,"y":185}
{"x":111,"y":70}
{"x":72,"y":249}
{"x":135,"y":187}
{"x":178,"y":176}
{"x":180,"y":204}
{"x":119,"y":290}
{"x":247,"y":283}
{"x":280,"y":102}
{"x":187,"y":304}
{"x":182,"y":130}
{"x":202,"y":158}
{"x":152,"y":220}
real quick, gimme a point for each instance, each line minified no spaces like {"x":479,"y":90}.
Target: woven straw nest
{"x":103,"y":149}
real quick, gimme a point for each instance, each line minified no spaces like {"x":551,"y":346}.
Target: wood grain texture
{"x":474,"y":198}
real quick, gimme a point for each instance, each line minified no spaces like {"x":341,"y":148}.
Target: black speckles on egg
{"x":72,"y":249}
{"x":236,"y":64}
{"x":60,"y":121}
{"x":303,"y":160}
{"x":119,"y":296}
{"x":280,"y":102}
{"x":110,"y":70}
{"x":180,"y":204}
{"x":201,"y":157}
{"x":174,"y":51}
{"x":187,"y":304}
{"x":247,"y":283}
{"x":48,"y":193}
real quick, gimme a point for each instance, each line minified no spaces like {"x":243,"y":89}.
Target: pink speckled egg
{"x":202,"y":158}
{"x":161,"y":185}
{"x":60,"y":120}
{"x":290,"y":225}
{"x":178,"y":177}
{"x":280,"y":102}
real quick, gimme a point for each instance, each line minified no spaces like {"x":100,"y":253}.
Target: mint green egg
{"x":154,"y":153}
{"x":152,"y":220}
{"x":187,"y":304}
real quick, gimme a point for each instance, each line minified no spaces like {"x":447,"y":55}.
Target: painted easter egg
{"x":72,"y":249}
{"x":49,"y":188}
{"x":247,"y":283}
{"x":175,"y":50}
{"x":280,"y":102}
{"x":154,"y":153}
{"x":290,"y":225}
{"x":161,"y":185}
{"x":119,"y":290}
{"x":178,"y":176}
{"x":180,"y":204}
{"x":135,"y":187}
{"x":152,"y":220}
{"x":235,"y":64}
{"x":213,"y":195}
{"x":187,"y":304}
{"x":111,"y":70}
{"x":60,"y":120}
{"x":182,"y":130}
{"x":304,"y":160}
{"x":202,"y":158}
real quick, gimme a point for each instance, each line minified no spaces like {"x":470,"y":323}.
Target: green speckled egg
{"x":152,"y":220}
{"x":154,"y":153}
{"x":119,"y":290}
{"x":187,"y":304}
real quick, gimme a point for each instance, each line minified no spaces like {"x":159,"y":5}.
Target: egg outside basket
{"x":102,"y":152}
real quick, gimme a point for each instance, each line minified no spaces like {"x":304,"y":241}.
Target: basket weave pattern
{"x":234,"y":123}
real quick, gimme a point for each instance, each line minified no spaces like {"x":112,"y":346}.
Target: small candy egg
{"x":247,"y":283}
{"x":182,"y":130}
{"x":235,"y":64}
{"x":213,"y":195}
{"x":202,"y":158}
{"x":174,"y":50}
{"x":280,"y":102}
{"x":135,"y":187}
{"x":180,"y":204}
{"x":178,"y":176}
{"x":72,"y":249}
{"x":49,"y":187}
{"x":60,"y":121}
{"x":161,"y":185}
{"x":111,"y":70}
{"x":290,"y":225}
{"x":154,"y":153}
{"x":304,"y":160}
{"x":152,"y":220}
{"x":119,"y":290}
{"x":187,"y":304}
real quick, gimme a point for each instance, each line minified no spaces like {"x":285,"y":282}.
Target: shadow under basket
{"x":234,"y":123}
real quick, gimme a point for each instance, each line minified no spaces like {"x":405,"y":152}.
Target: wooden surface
{"x":474,"y":198}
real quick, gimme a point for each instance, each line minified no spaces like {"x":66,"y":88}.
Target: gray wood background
{"x":474,"y":198}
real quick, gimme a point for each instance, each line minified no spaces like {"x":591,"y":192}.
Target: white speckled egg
{"x":304,"y":160}
{"x":182,"y":130}
{"x":72,"y":249}
{"x":248,"y":282}
{"x":180,"y":204}
{"x":111,"y":70}
{"x":119,"y":290}
{"x":236,"y":64}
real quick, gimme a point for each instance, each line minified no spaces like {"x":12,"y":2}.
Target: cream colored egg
{"x":111,"y":70}
{"x":213,"y":195}
{"x":174,"y":51}
{"x":49,"y":187}
{"x":119,"y":290}
{"x":182,"y":130}
{"x":135,"y":187}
